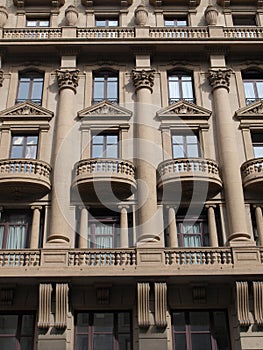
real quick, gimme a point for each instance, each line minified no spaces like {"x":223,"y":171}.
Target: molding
{"x":44,"y":307}
{"x":160,"y":293}
{"x":26,"y":111}
{"x":242,"y":299}
{"x":62,"y":290}
{"x":258,"y":302}
{"x":143,"y":290}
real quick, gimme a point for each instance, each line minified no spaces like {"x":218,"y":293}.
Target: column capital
{"x":67,"y":79}
{"x":1,"y":77}
{"x":33,"y":207}
{"x":143,"y":78}
{"x":207,"y":206}
{"x":124,"y":206}
{"x":219,"y":78}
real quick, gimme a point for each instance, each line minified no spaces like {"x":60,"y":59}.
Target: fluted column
{"x":61,"y":230}
{"x":83,"y":227}
{"x":259,"y":222}
{"x":143,"y":80}
{"x":35,"y":227}
{"x":172,"y":227}
{"x":212,"y":229}
{"x":219,"y":79}
{"x":124,"y":233}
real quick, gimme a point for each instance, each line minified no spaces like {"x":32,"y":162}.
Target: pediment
{"x":105,"y":110}
{"x":254,"y":110}
{"x":26,"y":111}
{"x":183,"y":110}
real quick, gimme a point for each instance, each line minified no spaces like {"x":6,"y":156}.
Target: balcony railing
{"x":102,"y":33}
{"x":19,"y":258}
{"x":179,"y":33}
{"x":243,"y":33}
{"x":32,"y":33}
{"x":28,"y":168}
{"x":252,"y":174}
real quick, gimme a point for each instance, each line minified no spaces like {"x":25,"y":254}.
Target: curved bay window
{"x":105,"y":86}
{"x":180,"y":86}
{"x":30,"y":87}
{"x":253,"y":85}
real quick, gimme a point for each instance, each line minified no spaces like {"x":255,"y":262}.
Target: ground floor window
{"x":103,"y":331}
{"x":17,"y":331}
{"x":200,"y":330}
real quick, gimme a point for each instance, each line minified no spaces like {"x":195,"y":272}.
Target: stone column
{"x":83,"y":227}
{"x":35,"y":227}
{"x":172,"y":227}
{"x":143,"y":80}
{"x":124,"y":233}
{"x":259,"y":222}
{"x":212,"y":229}
{"x":61,"y":230}
{"x":219,"y":79}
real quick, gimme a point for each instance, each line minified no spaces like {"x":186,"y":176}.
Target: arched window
{"x":30,"y":87}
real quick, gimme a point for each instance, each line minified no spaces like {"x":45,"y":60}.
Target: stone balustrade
{"x":179,"y":33}
{"x":252,"y":174}
{"x":32,"y":33}
{"x":25,"y":168}
{"x":104,"y":33}
{"x":19,"y":258}
{"x":243,"y":33}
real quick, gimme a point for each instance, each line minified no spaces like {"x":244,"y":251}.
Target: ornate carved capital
{"x":219,"y":78}
{"x":1,"y":77}
{"x":68,"y":79}
{"x":143,"y":79}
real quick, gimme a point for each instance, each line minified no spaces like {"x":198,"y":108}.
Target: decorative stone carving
{"x":44,"y":307}
{"x":219,"y":78}
{"x":7,"y":296}
{"x":242,"y":303}
{"x":61,"y":305}
{"x":143,"y":79}
{"x":103,"y":296}
{"x":258,"y":302}
{"x":1,"y":77}
{"x":199,"y":295}
{"x":143,"y":304}
{"x":141,"y":15}
{"x":183,"y":110}
{"x":3,"y":16}
{"x":211,"y":14}
{"x":67,"y":79}
{"x":71,"y":14}
{"x":160,"y":293}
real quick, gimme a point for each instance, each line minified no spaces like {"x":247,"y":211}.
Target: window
{"x":180,"y":86}
{"x":106,"y":22}
{"x":103,"y":232}
{"x":107,"y":331}
{"x":192,"y":231}
{"x":244,"y":20}
{"x":105,"y":86}
{"x":253,"y":86}
{"x":36,"y":22}
{"x":185,"y":146}
{"x":14,"y":230}
{"x":200,"y":330}
{"x":257,"y":142}
{"x":105,"y":146}
{"x":30,"y":87}
{"x":24,"y":146}
{"x":175,"y":22}
{"x":17,"y":331}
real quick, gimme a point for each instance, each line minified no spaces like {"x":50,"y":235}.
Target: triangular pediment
{"x":254,"y":110}
{"x":105,"y":110}
{"x":26,"y":111}
{"x":183,"y":110}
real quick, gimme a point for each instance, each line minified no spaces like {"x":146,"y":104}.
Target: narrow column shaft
{"x":35,"y":227}
{"x":212,"y":229}
{"x":259,"y":222}
{"x":83,"y":227}
{"x":124,"y":233}
{"x":172,"y":228}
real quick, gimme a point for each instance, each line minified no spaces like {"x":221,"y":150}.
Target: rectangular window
{"x":180,"y":86}
{"x":105,"y":87}
{"x":36,"y":22}
{"x":17,"y":331}
{"x":192,"y":232}
{"x":185,"y":146}
{"x":105,"y":146}
{"x":103,"y":331}
{"x":30,"y":87}
{"x":200,"y":330}
{"x":244,"y":20}
{"x":24,"y":146}
{"x":14,"y":230}
{"x":257,"y":142}
{"x":106,"y":22}
{"x":175,"y":21}
{"x":104,"y":232}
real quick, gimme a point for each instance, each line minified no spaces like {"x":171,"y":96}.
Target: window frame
{"x":178,"y":75}
{"x":185,"y":145}
{"x":175,"y":19}
{"x":25,"y":145}
{"x":202,"y":221}
{"x":253,"y":77}
{"x":38,"y":21}
{"x":106,"y":146}
{"x":113,"y":220}
{"x":31,"y":75}
{"x":105,"y":74}
{"x":107,"y":20}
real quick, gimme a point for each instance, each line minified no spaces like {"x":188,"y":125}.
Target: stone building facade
{"x":131,"y":172}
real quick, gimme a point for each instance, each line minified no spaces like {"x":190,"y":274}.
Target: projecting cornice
{"x":188,"y":3}
{"x":228,"y":3}
{"x":105,"y":110}
{"x":251,"y":115}
{"x":38,"y":3}
{"x":183,"y":110}
{"x":110,"y":3}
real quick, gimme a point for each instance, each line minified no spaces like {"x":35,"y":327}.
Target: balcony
{"x":24,"y":179}
{"x":105,"y":179}
{"x":188,"y":178}
{"x":252,"y":175}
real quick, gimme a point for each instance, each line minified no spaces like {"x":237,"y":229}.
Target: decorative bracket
{"x":143,"y":304}
{"x":61,"y":305}
{"x":242,"y":303}
{"x":258,"y":302}
{"x":44,"y":307}
{"x":160,"y":291}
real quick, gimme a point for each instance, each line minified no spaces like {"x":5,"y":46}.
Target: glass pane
{"x":260,"y":89}
{"x":180,"y":342}
{"x":221,"y":330}
{"x":44,"y":23}
{"x":97,"y":151}
{"x":100,"y":23}
{"x":37,"y":90}
{"x":103,"y":322}
{"x":168,"y":23}
{"x":112,"y":151}
{"x":31,"y":152}
{"x":82,"y":342}
{"x":124,"y":322}
{"x":98,"y":139}
{"x":31,"y":23}
{"x":199,"y":321}
{"x":98,"y":93}
{"x":112,"y":89}
{"x":201,"y":342}
{"x":113,"y":23}
{"x":192,"y":151}
{"x":27,"y":325}
{"x":7,"y":343}
{"x":182,"y":22}
{"x":26,"y":343}
{"x":32,"y":140}
{"x":178,"y":139}
{"x":8,"y":324}
{"x":187,"y":89}
{"x":17,"y":152}
{"x":174,"y":90}
{"x":249,"y":90}
{"x":178,"y":151}
{"x":23,"y":89}
{"x":179,"y":321}
{"x":124,"y":342}
{"x":82,"y":322}
{"x":103,"y":342}
{"x":112,"y":139}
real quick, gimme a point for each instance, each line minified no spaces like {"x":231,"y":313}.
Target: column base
{"x":58,"y":239}
{"x":240,"y":239}
{"x":149,"y":240}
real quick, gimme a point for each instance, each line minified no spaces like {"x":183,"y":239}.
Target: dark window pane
{"x":201,"y":342}
{"x":220,"y":333}
{"x":199,"y":321}
{"x":124,"y":342}
{"x":179,"y":321}
{"x":103,"y":342}
{"x":27,"y":324}
{"x":82,"y":342}
{"x":7,"y":343}
{"x":103,"y":322}
{"x":82,"y":322}
{"x":180,"y":342}
{"x":26,"y":343}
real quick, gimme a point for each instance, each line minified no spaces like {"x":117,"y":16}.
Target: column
{"x":219,"y":79}
{"x":83,"y":227}
{"x":259,"y":222}
{"x":35,"y":227}
{"x":172,"y":227}
{"x":61,"y":227}
{"x":124,"y":233}
{"x":143,"y":80}
{"x":212,"y":229}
